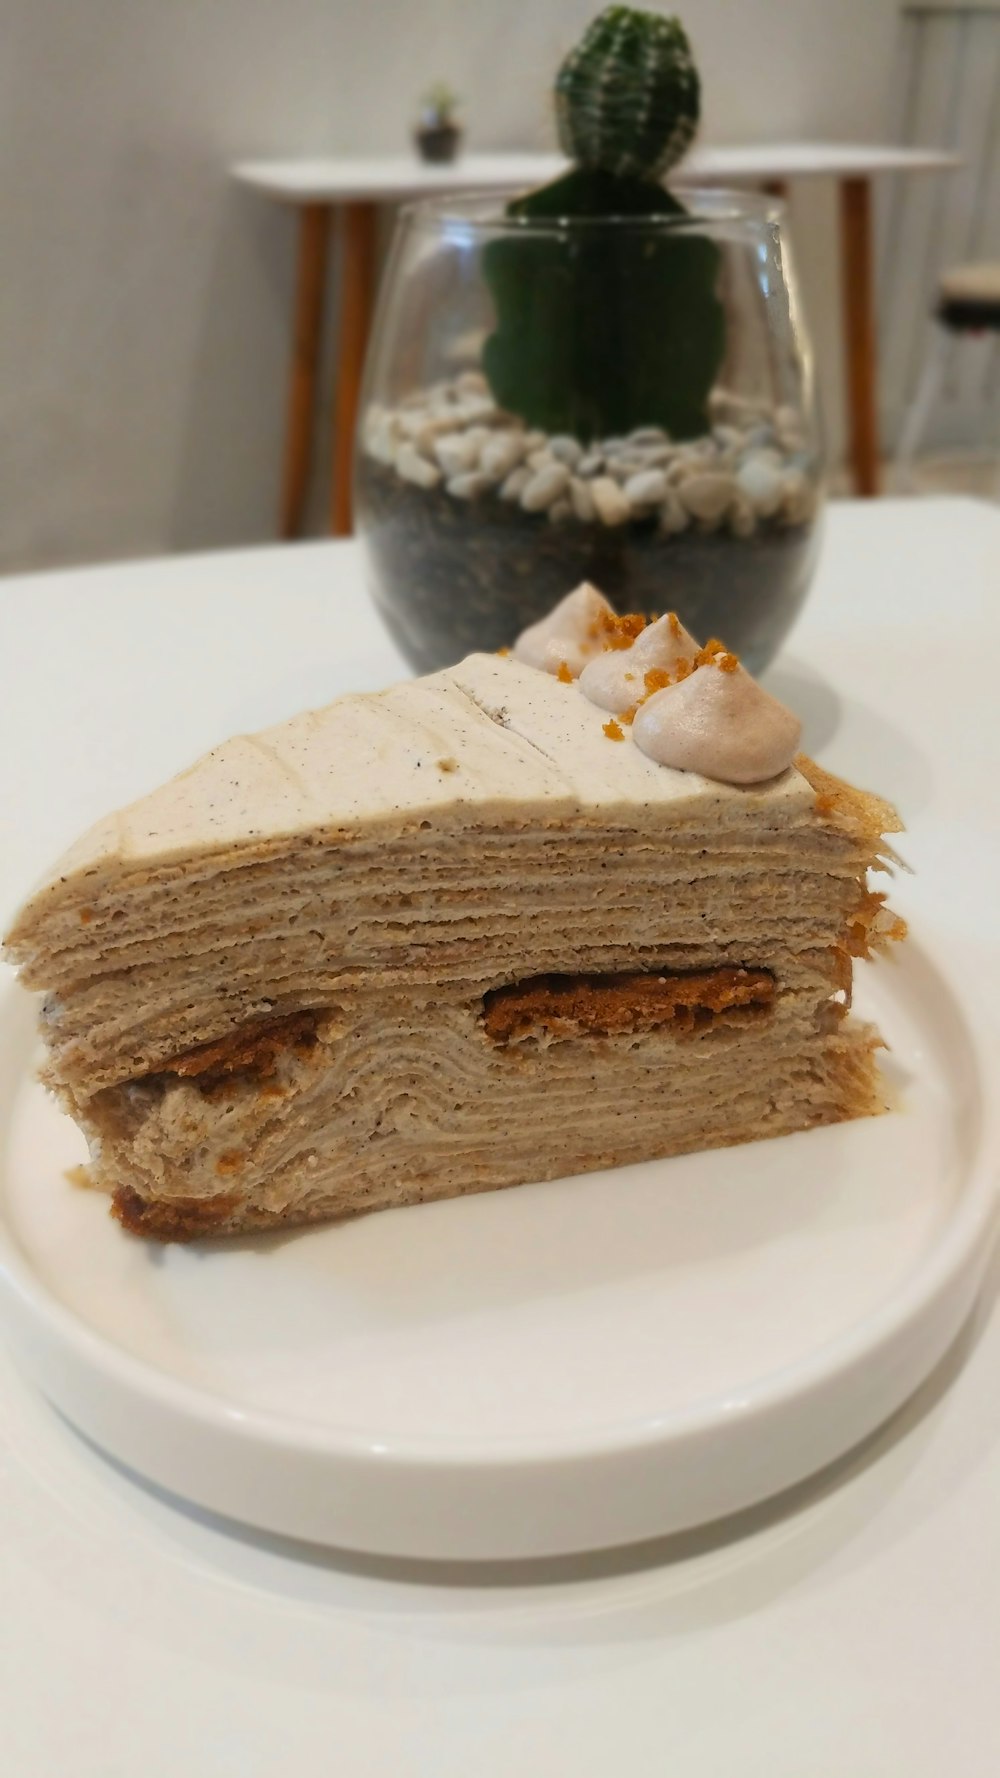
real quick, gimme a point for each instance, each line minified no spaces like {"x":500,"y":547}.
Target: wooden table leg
{"x":859,"y":331}
{"x":357,"y":294}
{"x":314,"y":235}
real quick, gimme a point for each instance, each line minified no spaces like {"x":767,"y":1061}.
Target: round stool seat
{"x":970,"y":295}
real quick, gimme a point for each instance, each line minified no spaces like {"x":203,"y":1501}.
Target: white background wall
{"x":144,"y":301}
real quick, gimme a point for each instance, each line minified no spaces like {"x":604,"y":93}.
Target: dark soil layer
{"x":451,"y":577}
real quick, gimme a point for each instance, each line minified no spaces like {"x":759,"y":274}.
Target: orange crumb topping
{"x":628,"y":716}
{"x":657,"y":679}
{"x":503,"y":653}
{"x":673,"y":624}
{"x":716,"y":654}
{"x":683,"y":669}
{"x":563,"y":673}
{"x":613,"y":731}
{"x":621,"y":632}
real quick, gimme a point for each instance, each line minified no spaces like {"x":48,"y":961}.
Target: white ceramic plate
{"x":559,"y":1367}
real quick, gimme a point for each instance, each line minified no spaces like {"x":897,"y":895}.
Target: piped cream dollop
{"x":616,"y":679}
{"x":718,"y":722}
{"x":569,"y":636}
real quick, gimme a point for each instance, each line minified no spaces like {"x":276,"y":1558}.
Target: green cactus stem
{"x":628,"y":97}
{"x":601,"y":332}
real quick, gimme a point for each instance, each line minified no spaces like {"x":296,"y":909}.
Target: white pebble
{"x":501,"y":454}
{"x":767,"y":453}
{"x":655,"y":456}
{"x":540,"y":459}
{"x":534,"y":440}
{"x":742,"y":518}
{"x":545,"y":486}
{"x":437,"y":426}
{"x":761,"y":481}
{"x":456,"y":452}
{"x":729,"y":437}
{"x":383,"y":443}
{"x":516,"y":483}
{"x":673,"y":518}
{"x":470,"y":485}
{"x":582,"y":500}
{"x":612,"y":506}
{"x":411,"y":424}
{"x":480,"y":435}
{"x":648,"y":435}
{"x":707,"y":496}
{"x":472,"y":382}
{"x":565,"y":449}
{"x":474,"y":408}
{"x":611,"y":445}
{"x":620,"y":468}
{"x":646,"y":489}
{"x":726,"y":403}
{"x":415,"y":468}
{"x":375,"y":418}
{"x":591,"y":463}
{"x":798,"y":500}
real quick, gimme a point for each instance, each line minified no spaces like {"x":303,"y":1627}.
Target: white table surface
{"x":850,"y":1631}
{"x":387,"y":178}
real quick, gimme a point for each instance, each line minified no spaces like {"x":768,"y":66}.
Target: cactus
{"x":627,"y":98}
{"x":598,"y":334}
{"x":439,"y":104}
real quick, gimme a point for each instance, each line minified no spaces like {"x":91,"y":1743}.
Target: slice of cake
{"x":474,"y":930}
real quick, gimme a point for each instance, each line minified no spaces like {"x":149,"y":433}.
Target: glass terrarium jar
{"x":488,"y":480}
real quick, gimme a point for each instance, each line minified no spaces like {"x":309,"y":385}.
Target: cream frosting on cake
{"x":616,"y":678}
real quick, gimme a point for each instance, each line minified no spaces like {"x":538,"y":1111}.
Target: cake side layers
{"x":421,"y":1100}
{"x":626,"y":906}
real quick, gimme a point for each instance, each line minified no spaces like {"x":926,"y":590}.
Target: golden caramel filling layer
{"x":611,"y":1005}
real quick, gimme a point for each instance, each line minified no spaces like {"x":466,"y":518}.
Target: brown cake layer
{"x":610,"y":1005}
{"x":254,"y":1048}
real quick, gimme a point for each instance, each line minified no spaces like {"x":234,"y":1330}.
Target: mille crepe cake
{"x":463,"y":933}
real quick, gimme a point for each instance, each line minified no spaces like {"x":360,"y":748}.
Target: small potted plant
{"x":632,"y":404}
{"x":438,"y":135}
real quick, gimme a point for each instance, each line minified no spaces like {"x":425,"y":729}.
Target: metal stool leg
{"x":919,"y":412}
